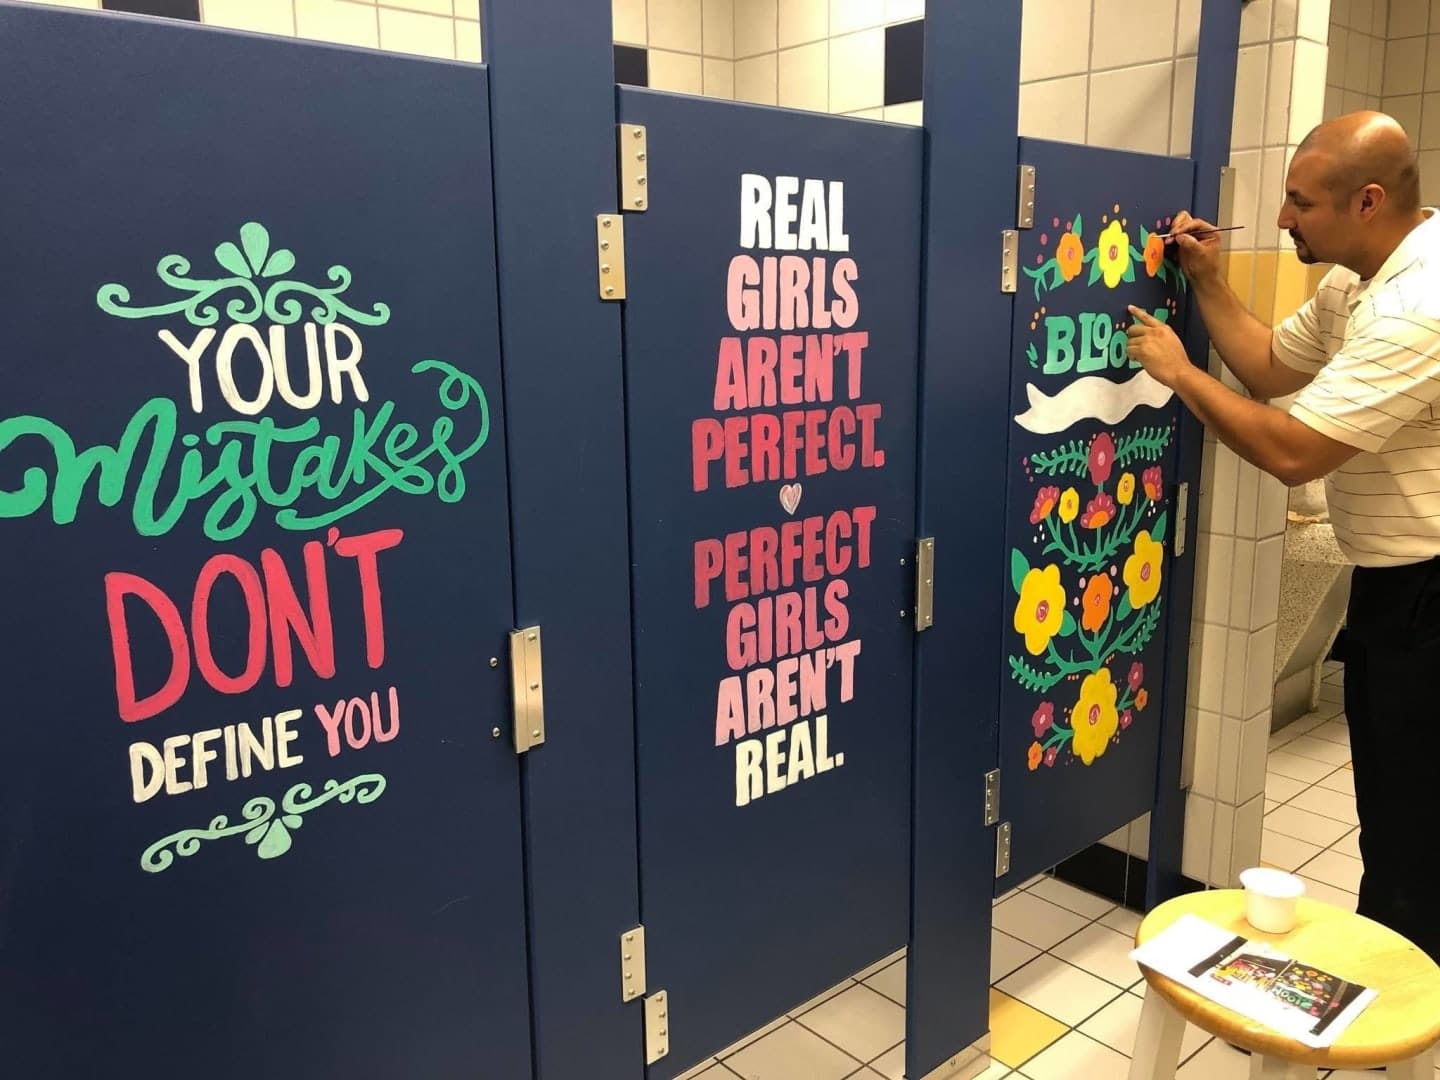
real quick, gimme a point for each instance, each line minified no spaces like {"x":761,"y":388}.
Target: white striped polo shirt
{"x":1374,"y":350}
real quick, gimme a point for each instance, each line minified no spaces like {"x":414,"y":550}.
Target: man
{"x":1364,"y":355}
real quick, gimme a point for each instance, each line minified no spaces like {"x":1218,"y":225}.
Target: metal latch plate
{"x":992,"y":796}
{"x":610,"y":255}
{"x":527,"y":688}
{"x":634,"y":167}
{"x":657,"y":1027}
{"x":632,"y":964}
{"x":1182,"y":512}
{"x":1025,"y":214}
{"x":925,"y":584}
{"x":1009,"y":260}
{"x":1002,"y":849}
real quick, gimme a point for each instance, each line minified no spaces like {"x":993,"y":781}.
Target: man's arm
{"x":1266,"y":437}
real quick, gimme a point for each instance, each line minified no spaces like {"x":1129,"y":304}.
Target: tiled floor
{"x":1065,"y":996}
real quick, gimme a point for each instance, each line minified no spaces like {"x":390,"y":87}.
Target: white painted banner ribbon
{"x":1090,"y":398}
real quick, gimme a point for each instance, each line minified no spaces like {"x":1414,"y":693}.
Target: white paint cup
{"x":1271,"y":897}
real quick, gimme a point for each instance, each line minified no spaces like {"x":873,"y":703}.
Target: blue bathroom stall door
{"x":259,"y":816}
{"x":771,"y":373}
{"x":1091,"y":513}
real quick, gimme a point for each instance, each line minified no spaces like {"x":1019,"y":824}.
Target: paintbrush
{"x":1200,"y":232}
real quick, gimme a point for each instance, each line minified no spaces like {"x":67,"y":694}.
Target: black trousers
{"x":1391,"y":652}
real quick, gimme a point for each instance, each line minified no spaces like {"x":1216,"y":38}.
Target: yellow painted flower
{"x":1036,"y":755}
{"x":1125,"y":490}
{"x":1041,"y":609}
{"x":1069,"y":505}
{"x":1113,"y":253}
{"x":1142,"y":570}
{"x":1094,"y":719}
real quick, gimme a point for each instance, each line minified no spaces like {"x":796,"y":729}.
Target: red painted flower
{"x":1102,"y":458}
{"x":1045,"y":500}
{"x":1136,"y":676}
{"x":1098,"y":513}
{"x":1051,"y":755}
{"x":1152,"y":482}
{"x":1126,"y":719}
{"x":1043,"y":718}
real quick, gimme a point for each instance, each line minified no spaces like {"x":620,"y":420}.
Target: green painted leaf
{"x":1078,"y":226}
{"x":254,"y":835}
{"x":1094,"y":273}
{"x":256,"y":239}
{"x":1019,"y":567}
{"x":1125,"y":607}
{"x":276,"y":843}
{"x":294,"y":821}
{"x":1067,"y":625}
{"x":229,"y":257}
{"x":1144,"y":236}
{"x":1129,"y":274}
{"x":1158,"y":532}
{"x":281,"y":262}
{"x":1033,"y":356}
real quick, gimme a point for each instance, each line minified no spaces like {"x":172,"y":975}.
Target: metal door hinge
{"x":992,"y":796}
{"x":1182,"y":512}
{"x":632,"y":964}
{"x":634,"y":168}
{"x":527,"y":688}
{"x":924,"y":584}
{"x":610,"y":255}
{"x":657,"y":1026}
{"x":1025,"y":211}
{"x":1009,"y":260}
{"x":1002,"y":849}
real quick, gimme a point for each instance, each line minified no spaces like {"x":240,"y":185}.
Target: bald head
{"x":1363,"y":148}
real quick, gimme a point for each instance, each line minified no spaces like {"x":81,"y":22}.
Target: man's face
{"x":1320,"y":223}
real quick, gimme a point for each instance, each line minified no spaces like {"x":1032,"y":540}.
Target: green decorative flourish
{"x":1032,"y":355}
{"x":268,"y":834}
{"x":245,"y":273}
{"x":1048,"y":276}
{"x":1069,"y":459}
{"x":1145,"y":444}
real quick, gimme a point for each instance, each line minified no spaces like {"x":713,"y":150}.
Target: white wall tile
{"x":468,"y":9}
{"x":1427,"y":135}
{"x":1222,"y":840}
{"x":1054,"y":108}
{"x":1255,"y":20}
{"x":1199,"y":836}
{"x":1307,"y":89}
{"x":1222,"y":496}
{"x":679,"y":73}
{"x":1435,"y":14}
{"x":1210,"y":686}
{"x":1054,"y":39}
{"x":1259,"y":672}
{"x":756,"y":80}
{"x":1273,"y":504}
{"x":1182,"y":109}
{"x":718,"y":77}
{"x":1267,"y":235}
{"x":1362,"y":17}
{"x":1430,"y":176}
{"x":1207,"y":753}
{"x":717,"y":28}
{"x":1249,"y":832}
{"x":857,"y":71}
{"x":1380,"y":18}
{"x":628,"y":21}
{"x":1340,"y":12}
{"x":1227,"y":766}
{"x":756,"y":23}
{"x":337,"y":21}
{"x":264,"y":16}
{"x":1405,"y":66}
{"x":1408,"y":18}
{"x":907,"y":112}
{"x":429,"y":7}
{"x":1122,"y":112}
{"x":1232,"y":700}
{"x":468,"y":41}
{"x":1377,"y":68}
{"x":1357,"y":65}
{"x":804,"y":77}
{"x":1127,"y":33}
{"x":1248,"y":128}
{"x":1265,"y":591}
{"x":1314,"y":20}
{"x":1254,"y":749}
{"x":1339,"y":50}
{"x":847,"y":16}
{"x":1277,"y":95}
{"x":1187,"y":31}
{"x":412,"y":32}
{"x":1139,"y":843}
{"x":1286,"y":20}
{"x":1242,"y":577}
{"x":1334,"y":102}
{"x":674,"y":25}
{"x":1351,"y":101}
{"x":1219,"y":554}
{"x":803,"y":21}
{"x":1406,"y":111}
{"x":904,"y":10}
{"x":1432,"y":68}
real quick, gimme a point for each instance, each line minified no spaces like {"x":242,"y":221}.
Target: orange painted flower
{"x":1095,"y":604}
{"x":1041,"y":610}
{"x":1070,"y":255}
{"x":1036,"y":756}
{"x":1142,"y":570}
{"x":1045,"y":500}
{"x":1142,"y":699}
{"x":1094,"y":718}
{"x":1098,"y":513}
{"x":1125,"y":489}
{"x":1154,"y":254}
{"x":1152,"y":481}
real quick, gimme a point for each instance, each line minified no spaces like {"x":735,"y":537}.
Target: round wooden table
{"x":1398,"y":1030}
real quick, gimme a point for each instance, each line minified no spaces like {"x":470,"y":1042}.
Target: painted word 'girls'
{"x":239,"y":464}
{"x":273,"y":622}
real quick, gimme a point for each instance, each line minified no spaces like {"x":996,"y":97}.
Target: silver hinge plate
{"x":657,"y":1026}
{"x":1002,"y":849}
{"x":992,"y":796}
{"x":924,"y":584}
{"x":527,"y":688}
{"x":1009,"y":260}
{"x":1182,"y":511}
{"x":632,"y":964}
{"x":610,"y":255}
{"x":634,"y":167}
{"x":1025,"y":213}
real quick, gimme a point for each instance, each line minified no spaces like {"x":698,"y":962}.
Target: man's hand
{"x":1157,"y":347}
{"x":1199,"y":255}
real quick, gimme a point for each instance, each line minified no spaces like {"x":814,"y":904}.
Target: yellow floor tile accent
{"x":1019,"y":1032}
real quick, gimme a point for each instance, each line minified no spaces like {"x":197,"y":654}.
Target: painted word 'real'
{"x":771,"y":218}
{"x":764,"y":766}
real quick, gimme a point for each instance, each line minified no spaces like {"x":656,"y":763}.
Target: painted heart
{"x":790,"y":497}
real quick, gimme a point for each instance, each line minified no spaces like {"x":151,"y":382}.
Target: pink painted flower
{"x":1126,"y":719}
{"x":1098,"y":513}
{"x":1045,"y":500}
{"x":1051,"y":755}
{"x":1043,"y":718}
{"x":1102,"y":458}
{"x":1136,"y":676}
{"x":1153,"y":481}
